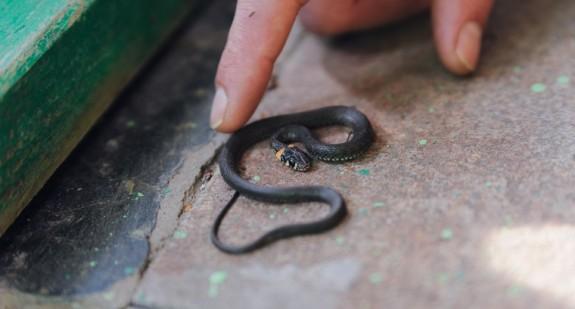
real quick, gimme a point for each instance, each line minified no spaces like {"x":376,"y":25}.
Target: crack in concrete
{"x":167,"y":227}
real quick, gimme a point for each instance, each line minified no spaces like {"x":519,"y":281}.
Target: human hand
{"x":260,"y":29}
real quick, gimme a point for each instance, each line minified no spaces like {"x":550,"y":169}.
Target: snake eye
{"x":296,"y":158}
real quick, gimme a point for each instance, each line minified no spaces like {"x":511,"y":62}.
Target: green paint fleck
{"x":165,"y":192}
{"x":514,"y":290}
{"x":442,"y":278}
{"x":109,"y":296}
{"x":431,"y":109}
{"x":422,"y":142}
{"x":446,"y":234}
{"x":129,"y":270}
{"x":363,"y":211}
{"x":375,"y":278}
{"x":286,"y":210}
{"x":363,"y":172}
{"x":256,"y":178}
{"x":508,"y":220}
{"x":130,"y":123}
{"x":538,"y":88}
{"x":517,"y":69}
{"x":563,"y":80}
{"x":340,"y":240}
{"x":488,"y":184}
{"x":93,"y":263}
{"x":378,"y":204}
{"x":180,"y":234}
{"x":459,"y":276}
{"x":216,"y":279}
{"x":138,"y":195}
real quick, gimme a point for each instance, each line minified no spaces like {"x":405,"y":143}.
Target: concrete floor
{"x":465,"y":201}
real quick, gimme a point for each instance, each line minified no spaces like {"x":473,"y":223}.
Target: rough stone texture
{"x":465,"y":201}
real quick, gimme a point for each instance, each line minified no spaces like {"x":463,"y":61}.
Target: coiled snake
{"x":285,"y":130}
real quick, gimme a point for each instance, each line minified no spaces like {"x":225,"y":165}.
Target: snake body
{"x":284,"y":130}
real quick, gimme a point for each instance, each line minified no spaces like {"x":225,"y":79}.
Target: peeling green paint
{"x":443,"y":278}
{"x":563,"y":80}
{"x":375,"y":278}
{"x":378,"y":204}
{"x":138,"y":195}
{"x":217,"y":278}
{"x":446,"y":234}
{"x":180,"y":234}
{"x":129,"y":270}
{"x":363,"y":172}
{"x":43,"y":21}
{"x":165,"y":192}
{"x":109,"y":296}
{"x":56,"y":79}
{"x":538,"y":88}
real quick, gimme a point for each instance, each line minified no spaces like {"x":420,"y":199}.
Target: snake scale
{"x":284,"y":131}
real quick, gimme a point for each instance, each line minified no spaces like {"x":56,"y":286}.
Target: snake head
{"x":294,"y":157}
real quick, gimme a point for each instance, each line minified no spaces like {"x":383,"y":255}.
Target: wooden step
{"x":61,"y":64}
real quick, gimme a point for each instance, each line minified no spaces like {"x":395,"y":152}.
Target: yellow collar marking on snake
{"x":279,"y":153}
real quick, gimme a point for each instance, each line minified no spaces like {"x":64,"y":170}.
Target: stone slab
{"x":465,"y":201}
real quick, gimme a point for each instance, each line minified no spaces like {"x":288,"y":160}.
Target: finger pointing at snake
{"x":260,"y":29}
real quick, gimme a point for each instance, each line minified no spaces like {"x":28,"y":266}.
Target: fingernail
{"x":468,"y":45}
{"x":218,"y":108}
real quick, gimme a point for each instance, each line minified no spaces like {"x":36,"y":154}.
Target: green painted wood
{"x":62,"y":62}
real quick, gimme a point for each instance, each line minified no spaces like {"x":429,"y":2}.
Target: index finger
{"x":257,"y":36}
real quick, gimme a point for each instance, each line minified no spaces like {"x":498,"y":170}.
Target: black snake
{"x":285,"y":130}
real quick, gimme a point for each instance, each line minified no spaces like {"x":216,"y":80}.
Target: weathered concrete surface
{"x":465,"y":201}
